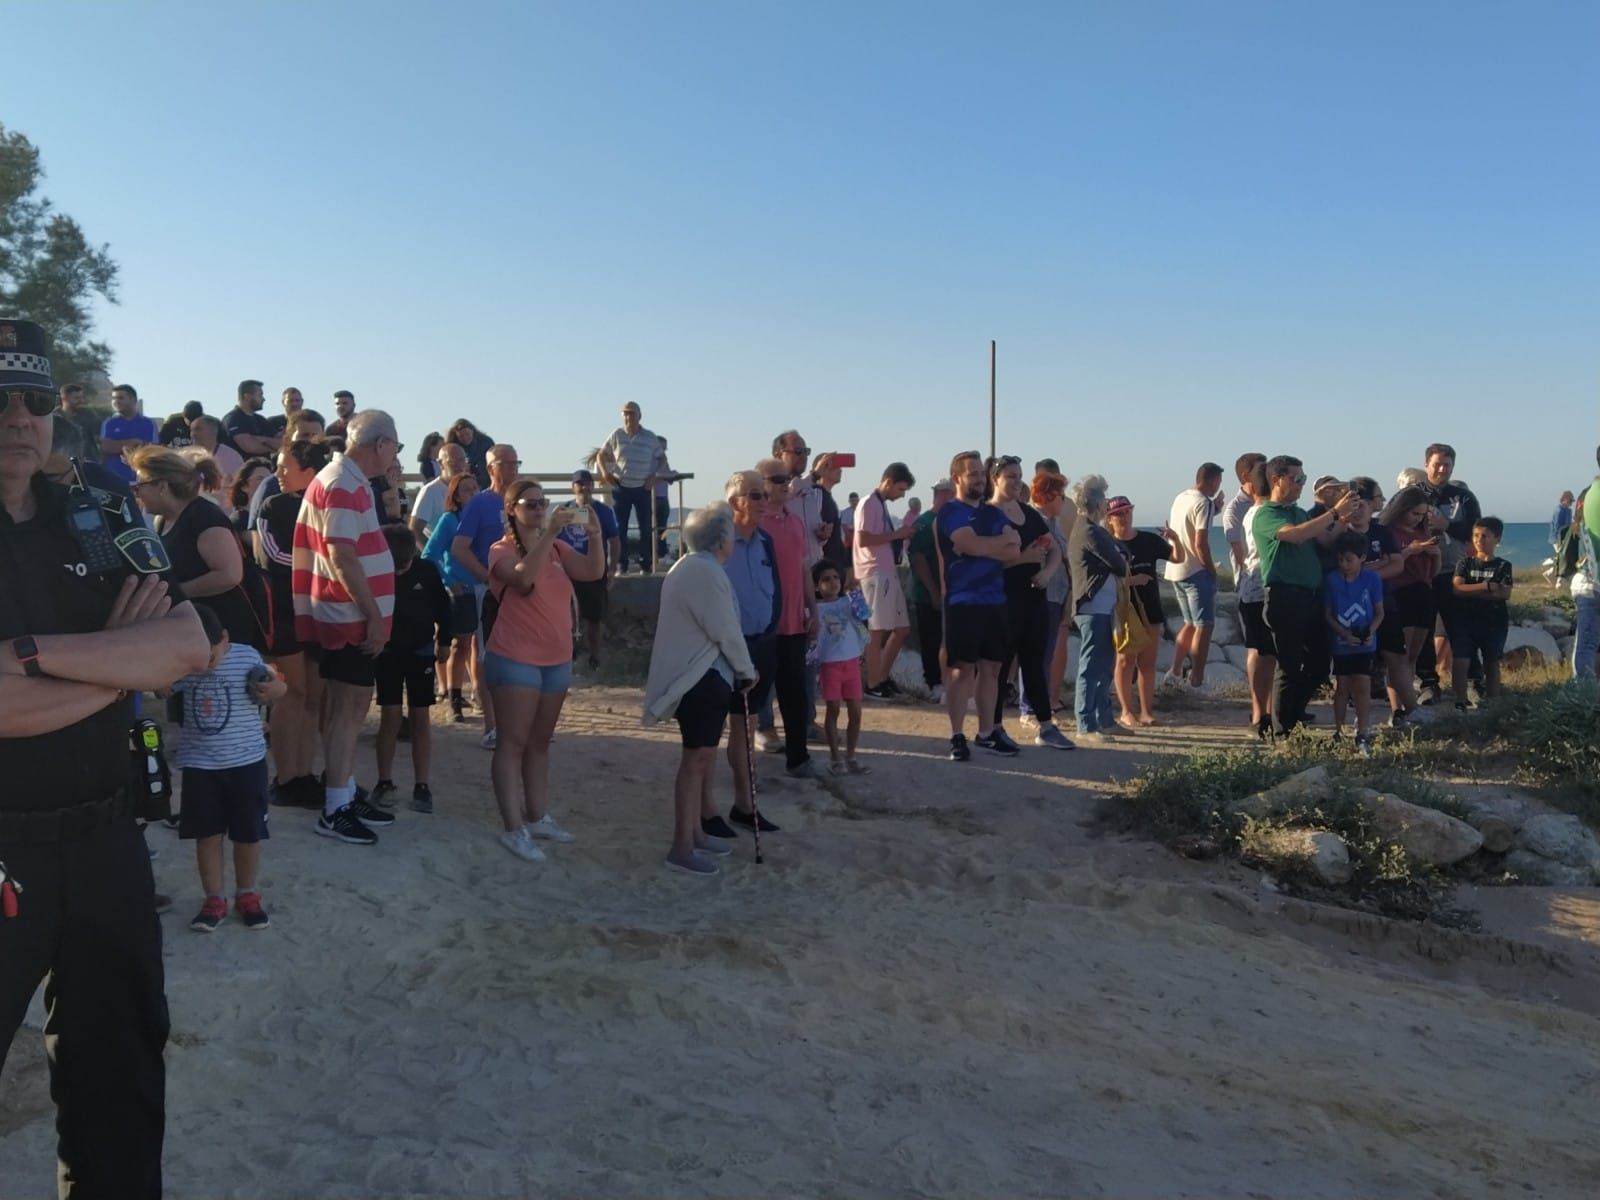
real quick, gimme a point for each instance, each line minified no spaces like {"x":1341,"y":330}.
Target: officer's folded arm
{"x":145,"y":653}
{"x":30,"y":707}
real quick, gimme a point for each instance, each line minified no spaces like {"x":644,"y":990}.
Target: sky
{"x":1193,"y":229}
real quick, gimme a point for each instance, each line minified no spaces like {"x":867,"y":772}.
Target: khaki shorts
{"x":887,"y":599}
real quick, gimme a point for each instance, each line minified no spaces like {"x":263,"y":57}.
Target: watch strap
{"x":27,"y":652}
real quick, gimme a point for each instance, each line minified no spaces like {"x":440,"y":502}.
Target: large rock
{"x":1324,"y":854}
{"x":1497,"y":817}
{"x":1223,"y":672}
{"x":1426,"y":834}
{"x":1530,"y":868}
{"x":1561,"y":838}
{"x":1226,"y":631}
{"x":1236,"y":656}
{"x":1311,"y":786}
{"x":1537,"y":640}
{"x":1558,"y":628}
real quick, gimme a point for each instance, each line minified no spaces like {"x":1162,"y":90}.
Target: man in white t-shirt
{"x":429,"y":506}
{"x":873,"y":559}
{"x":1195,"y":578}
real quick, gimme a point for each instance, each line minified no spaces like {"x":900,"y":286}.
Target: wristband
{"x":27,"y":652}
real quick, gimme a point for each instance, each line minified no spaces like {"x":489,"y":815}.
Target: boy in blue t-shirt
{"x":1353,"y":606}
{"x":223,"y":754}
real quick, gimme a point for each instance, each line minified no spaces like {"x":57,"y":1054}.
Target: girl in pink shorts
{"x":841,"y":641}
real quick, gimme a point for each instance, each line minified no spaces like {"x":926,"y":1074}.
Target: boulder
{"x":1426,"y":834}
{"x":1558,"y":629}
{"x":1564,"y":646}
{"x":1530,"y":868}
{"x":1537,"y":640}
{"x":1223,"y":672}
{"x":1324,"y":854}
{"x":1311,"y":786}
{"x":1498,"y":833}
{"x":1561,"y":838}
{"x":1226,"y":632}
{"x":1236,"y":656}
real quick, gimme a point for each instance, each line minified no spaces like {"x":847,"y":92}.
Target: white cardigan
{"x":699,"y":619}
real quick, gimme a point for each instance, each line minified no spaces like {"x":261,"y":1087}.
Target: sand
{"x":941,"y":983}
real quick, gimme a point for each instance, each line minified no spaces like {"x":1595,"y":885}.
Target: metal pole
{"x":992,"y":450}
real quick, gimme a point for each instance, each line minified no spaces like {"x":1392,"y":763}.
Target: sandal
{"x":855,"y":768}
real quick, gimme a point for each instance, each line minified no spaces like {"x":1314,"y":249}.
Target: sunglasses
{"x":1297,"y":479}
{"x":530,"y":502}
{"x":778,"y":480}
{"x":40,"y":404}
{"x":802,"y":451}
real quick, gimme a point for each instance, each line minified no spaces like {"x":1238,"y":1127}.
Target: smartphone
{"x":569,"y":516}
{"x":842,"y":460}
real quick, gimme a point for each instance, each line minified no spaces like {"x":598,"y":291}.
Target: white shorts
{"x":887,"y":599}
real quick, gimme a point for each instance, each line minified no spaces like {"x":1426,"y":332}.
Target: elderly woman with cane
{"x":698,"y":661}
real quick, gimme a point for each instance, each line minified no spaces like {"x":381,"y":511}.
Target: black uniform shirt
{"x":42,"y":592}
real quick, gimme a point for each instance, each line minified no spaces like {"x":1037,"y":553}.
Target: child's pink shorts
{"x":840,"y":680}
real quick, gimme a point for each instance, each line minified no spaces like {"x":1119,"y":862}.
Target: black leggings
{"x":1028,"y":615}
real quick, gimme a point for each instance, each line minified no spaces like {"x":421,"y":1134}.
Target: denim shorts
{"x":1197,"y":598}
{"x":500,"y":671}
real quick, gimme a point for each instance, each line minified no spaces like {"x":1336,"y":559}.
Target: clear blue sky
{"x":1341,"y":230}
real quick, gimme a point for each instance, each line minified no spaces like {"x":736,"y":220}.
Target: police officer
{"x":87,"y":616}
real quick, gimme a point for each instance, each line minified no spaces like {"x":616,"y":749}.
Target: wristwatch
{"x":27,"y":652}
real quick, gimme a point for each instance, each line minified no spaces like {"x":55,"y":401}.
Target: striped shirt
{"x":635,"y":454}
{"x":338,"y":509}
{"x":221,"y":724}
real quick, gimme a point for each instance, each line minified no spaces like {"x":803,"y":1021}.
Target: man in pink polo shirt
{"x":343,"y":586}
{"x":797,"y":622}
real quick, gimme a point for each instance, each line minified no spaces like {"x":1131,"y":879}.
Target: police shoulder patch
{"x":144,"y":551}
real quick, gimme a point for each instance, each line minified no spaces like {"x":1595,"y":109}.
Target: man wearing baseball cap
{"x":594,"y":595}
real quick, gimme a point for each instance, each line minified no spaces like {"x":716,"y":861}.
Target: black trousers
{"x":1028,"y":616}
{"x":630,"y":502}
{"x":86,"y":925}
{"x":790,"y":681}
{"x":1445,"y":603}
{"x":930,"y":640}
{"x":1291,"y":613}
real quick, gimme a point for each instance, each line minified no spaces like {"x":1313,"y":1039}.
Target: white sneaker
{"x":545,"y":827}
{"x":520,"y":844}
{"x":936,"y":695}
{"x":489,"y":740}
{"x":768,"y":742}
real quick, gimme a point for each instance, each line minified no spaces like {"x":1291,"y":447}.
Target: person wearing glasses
{"x":343,"y":584}
{"x":1291,"y":572}
{"x":797,"y":623}
{"x":528,"y":666}
{"x":483,"y":523}
{"x":75,"y":644}
{"x":629,"y":460}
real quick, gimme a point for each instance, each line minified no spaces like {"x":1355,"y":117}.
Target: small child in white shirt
{"x":841,"y":641}
{"x":223,"y":754}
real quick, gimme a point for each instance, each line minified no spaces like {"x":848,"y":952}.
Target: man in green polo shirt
{"x":1292,"y":574}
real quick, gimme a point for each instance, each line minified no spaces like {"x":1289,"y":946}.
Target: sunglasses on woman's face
{"x":531,"y":502}
{"x":40,"y":404}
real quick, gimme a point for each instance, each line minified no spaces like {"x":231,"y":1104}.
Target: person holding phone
{"x":593,"y":598}
{"x":528,"y":663}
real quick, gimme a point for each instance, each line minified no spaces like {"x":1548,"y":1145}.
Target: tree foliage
{"x":49,"y":271}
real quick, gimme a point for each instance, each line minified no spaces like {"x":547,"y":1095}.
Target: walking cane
{"x":750,"y":767}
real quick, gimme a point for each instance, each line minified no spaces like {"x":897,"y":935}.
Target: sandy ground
{"x":939,"y":984}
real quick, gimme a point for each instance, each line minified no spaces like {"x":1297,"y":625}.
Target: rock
{"x":1223,"y":672}
{"x":1324,"y":854}
{"x":1535,"y":639}
{"x":1226,"y":631}
{"x":1426,"y":834}
{"x":1235,"y":656}
{"x":1498,"y":833}
{"x":1195,"y":845}
{"x":1311,"y":786}
{"x":1564,"y":645}
{"x":1530,"y":868}
{"x":1558,"y":629}
{"x":1561,"y":838}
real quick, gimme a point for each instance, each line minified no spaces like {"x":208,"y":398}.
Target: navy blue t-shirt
{"x":970,"y":580}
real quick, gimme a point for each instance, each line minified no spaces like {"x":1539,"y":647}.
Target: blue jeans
{"x":1586,"y":637}
{"x":1197,"y":598}
{"x":1096,"y":658}
{"x":630,"y":501}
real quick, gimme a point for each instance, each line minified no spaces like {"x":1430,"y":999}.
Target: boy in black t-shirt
{"x":1482,"y":587}
{"x":405,"y":668}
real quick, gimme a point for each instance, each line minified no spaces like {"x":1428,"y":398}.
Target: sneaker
{"x":1364,"y":745}
{"x":1050,"y":736}
{"x":715,"y":845}
{"x":768,"y":741}
{"x":458,"y":709}
{"x":422,"y":798}
{"x":383,"y":793}
{"x":1463,"y":708}
{"x":369,"y":813}
{"x":520,"y":844}
{"x":1430,"y":693}
{"x":346,"y":827}
{"x":878,"y":691}
{"x":305,"y":792}
{"x":211,"y":914}
{"x":856,"y":768}
{"x":996,"y":741}
{"x":803,"y":770}
{"x":698,"y":863}
{"x":249,"y":910}
{"x":893,"y":688}
{"x":959,"y":750}
{"x":815,"y":736}
{"x":718,"y":828}
{"x":1171,"y":683}
{"x":936,"y":694}
{"x":163,"y":904}
{"x":1338,"y":737}
{"x":489,"y":739}
{"x":546,"y":828}
{"x":1027,"y":720}
{"x":746,"y":820}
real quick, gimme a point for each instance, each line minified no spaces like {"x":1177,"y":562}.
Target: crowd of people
{"x":784,"y":610}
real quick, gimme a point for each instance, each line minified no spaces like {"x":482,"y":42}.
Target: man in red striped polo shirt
{"x":343,"y":585}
